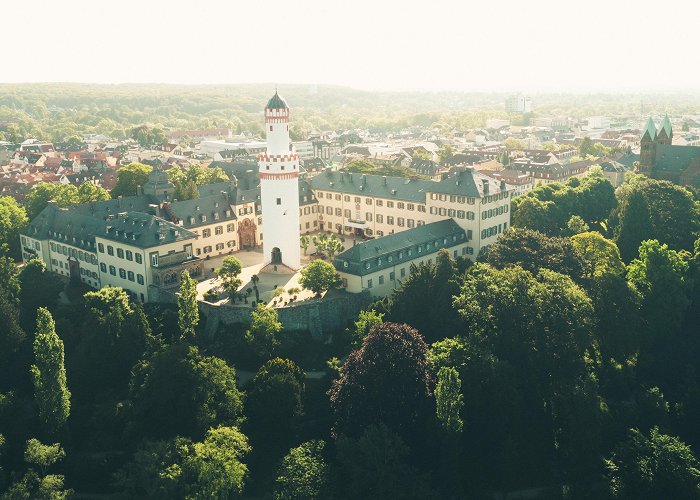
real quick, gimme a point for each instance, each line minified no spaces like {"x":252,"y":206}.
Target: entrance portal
{"x":276,"y":256}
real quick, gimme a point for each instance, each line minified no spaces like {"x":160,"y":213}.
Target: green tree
{"x":660,"y":275}
{"x":533,"y":251}
{"x":187,"y":309}
{"x":303,"y":473}
{"x":385,"y":380}
{"x":65,"y":195}
{"x":38,"y":288}
{"x":40,"y":485}
{"x":332,"y":246}
{"x":658,"y":466}
{"x":262,"y":335}
{"x":449,"y":399}
{"x":445,"y":153}
{"x":374,"y":466}
{"x":587,"y":147}
{"x":216,"y":464}
{"x":187,"y":179}
{"x":9,"y":280}
{"x":305,"y":241}
{"x":319,"y":276}
{"x":129,"y":177}
{"x":634,"y":226}
{"x":12,"y":338}
{"x":13,"y":219}
{"x":229,"y":271}
{"x":180,"y":392}
{"x":577,"y":225}
{"x":598,"y":255}
{"x":49,"y":374}
{"x":366,"y":321}
{"x":186,"y":190}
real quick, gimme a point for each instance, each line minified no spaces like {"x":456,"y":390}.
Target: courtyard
{"x":269,"y":284}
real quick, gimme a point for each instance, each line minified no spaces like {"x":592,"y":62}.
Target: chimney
{"x":485,"y":183}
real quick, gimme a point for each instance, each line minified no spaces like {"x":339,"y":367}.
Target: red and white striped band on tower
{"x":278,"y":176}
{"x":266,"y":157}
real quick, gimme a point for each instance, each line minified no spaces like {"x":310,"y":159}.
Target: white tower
{"x":279,"y":189}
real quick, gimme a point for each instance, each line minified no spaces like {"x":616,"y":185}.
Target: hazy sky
{"x":534,"y":45}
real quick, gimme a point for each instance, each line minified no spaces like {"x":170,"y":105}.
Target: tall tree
{"x":319,"y":276}
{"x":40,"y":485}
{"x":262,"y":335}
{"x":38,"y":288}
{"x":449,"y":399}
{"x":634,"y":225}
{"x":187,"y":309}
{"x":386,"y":380}
{"x":49,"y":374}
{"x":598,"y":255}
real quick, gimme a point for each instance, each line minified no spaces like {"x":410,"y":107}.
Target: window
{"x":369,"y":283}
{"x":100,"y":248}
{"x":451,"y":212}
{"x":338,"y":212}
{"x":219,"y":246}
{"x":329,"y":210}
{"x":389,"y":204}
{"x":207,"y":249}
{"x":368,"y":216}
{"x":357,"y":199}
{"x":122,"y":273}
{"x":130,"y":275}
{"x":219,"y":230}
{"x":337,"y":197}
{"x":139,"y":259}
{"x":346,"y":213}
{"x":110,"y":249}
{"x":279,"y":201}
{"x":129,"y":255}
{"x":392,"y":276}
{"x":410,"y":223}
{"x":203,"y":218}
{"x":368,"y":201}
{"x":380,"y":218}
{"x":381,"y":279}
{"x":400,"y":221}
{"x":460,"y":214}
{"x":410,"y":206}
{"x":103,"y":267}
{"x":112,"y":270}
{"x":154,"y":259}
{"x":402,"y":272}
{"x":400,"y":205}
{"x":421,"y":208}
{"x":380,"y":203}
{"x":230,"y":228}
{"x":346,"y":198}
{"x":206,"y":233}
{"x":139,"y":279}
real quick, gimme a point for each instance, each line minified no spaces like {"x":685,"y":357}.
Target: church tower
{"x":648,"y":148}
{"x":665,"y":135}
{"x":279,"y":189}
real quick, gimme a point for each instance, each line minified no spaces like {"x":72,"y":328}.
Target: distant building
{"x":597,"y":123}
{"x":660,"y":159}
{"x":519,"y":104}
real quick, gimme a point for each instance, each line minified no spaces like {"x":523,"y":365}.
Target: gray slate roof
{"x":463,"y":183}
{"x":675,"y":158}
{"x":391,"y":250}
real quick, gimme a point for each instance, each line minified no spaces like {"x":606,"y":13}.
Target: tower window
{"x":279,"y":201}
{"x":270,"y":128}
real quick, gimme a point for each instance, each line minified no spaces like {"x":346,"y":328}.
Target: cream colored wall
{"x":356,"y":284}
{"x":123,"y":263}
{"x":57,"y":262}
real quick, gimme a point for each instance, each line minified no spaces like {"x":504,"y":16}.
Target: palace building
{"x":144,"y":241}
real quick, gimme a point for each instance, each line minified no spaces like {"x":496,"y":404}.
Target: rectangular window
{"x":339,"y":212}
{"x":389,"y":204}
{"x":139,"y":259}
{"x":122,"y":273}
{"x":392,"y":276}
{"x":380,"y":218}
{"x":103,"y":267}
{"x":410,"y":222}
{"x":369,"y":283}
{"x":381,"y":279}
{"x":206,"y":233}
{"x":380,"y":203}
{"x":129,"y":255}
{"x":219,"y":246}
{"x":120,"y":253}
{"x":230,"y":228}
{"x":368,"y":216}
{"x":110,"y":249}
{"x":112,"y":270}
{"x":390,"y":220}
{"x":402,"y":272}
{"x":154,"y":259}
{"x":100,"y":248}
{"x":279,"y":201}
{"x":400,"y":221}
{"x":219,"y":230}
{"x":347,"y":213}
{"x":130,"y":275}
{"x":139,"y":279}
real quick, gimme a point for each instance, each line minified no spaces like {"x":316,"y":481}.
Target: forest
{"x":57,"y":112}
{"x":563,"y":362}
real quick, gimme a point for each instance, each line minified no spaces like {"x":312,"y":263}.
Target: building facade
{"x":661,"y":159}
